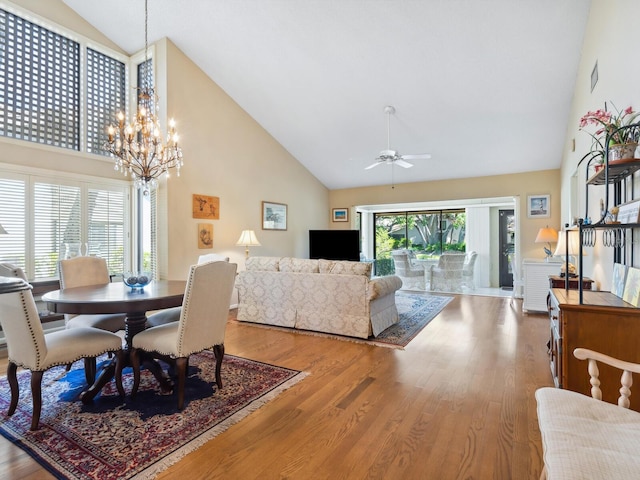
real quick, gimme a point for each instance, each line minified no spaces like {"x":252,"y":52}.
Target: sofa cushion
{"x":298,"y":265}
{"x":344,"y":267}
{"x":262,"y":264}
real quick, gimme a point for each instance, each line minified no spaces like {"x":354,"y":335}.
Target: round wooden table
{"x":118,"y":298}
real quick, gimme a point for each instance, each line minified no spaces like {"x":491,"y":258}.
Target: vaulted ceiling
{"x":484,"y":86}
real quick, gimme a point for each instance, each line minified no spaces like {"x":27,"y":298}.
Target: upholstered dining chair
{"x":81,"y":272}
{"x":30,"y":348}
{"x":202,"y":324}
{"x":169,"y":315}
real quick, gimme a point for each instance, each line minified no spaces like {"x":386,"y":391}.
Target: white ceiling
{"x":484,"y":86}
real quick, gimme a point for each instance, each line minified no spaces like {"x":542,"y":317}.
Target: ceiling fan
{"x":392,"y":157}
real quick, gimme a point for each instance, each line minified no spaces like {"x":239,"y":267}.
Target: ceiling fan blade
{"x":373,"y":165}
{"x":420,"y":156}
{"x":402,"y":163}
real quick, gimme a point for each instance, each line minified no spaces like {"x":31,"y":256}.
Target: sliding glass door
{"x":427,"y":233}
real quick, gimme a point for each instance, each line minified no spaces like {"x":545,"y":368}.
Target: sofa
{"x":338,"y":297}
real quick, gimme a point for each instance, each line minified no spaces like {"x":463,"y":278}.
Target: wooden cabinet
{"x":536,"y":283}
{"x":556,"y":281}
{"x":603,"y":322}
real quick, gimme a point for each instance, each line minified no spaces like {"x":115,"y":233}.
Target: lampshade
{"x":248,"y":239}
{"x":547,"y":235}
{"x":3,"y":231}
{"x":574,"y":244}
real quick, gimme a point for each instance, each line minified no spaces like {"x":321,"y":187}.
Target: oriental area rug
{"x":415,"y":311}
{"x":139,"y":438}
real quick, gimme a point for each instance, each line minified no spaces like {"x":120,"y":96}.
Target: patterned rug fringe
{"x":152,"y":471}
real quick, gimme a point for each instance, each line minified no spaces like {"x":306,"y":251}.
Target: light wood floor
{"x":457,"y":403}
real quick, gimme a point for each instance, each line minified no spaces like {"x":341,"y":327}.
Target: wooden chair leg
{"x":12,"y":378}
{"x":218,"y":351}
{"x":90,"y":369}
{"x":120,"y":360}
{"x":181,"y":367}
{"x":135,"y":365}
{"x":36,"y":394}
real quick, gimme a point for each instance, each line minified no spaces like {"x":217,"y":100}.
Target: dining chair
{"x":169,"y":315}
{"x":82,"y":272}
{"x":202,"y":324}
{"x":30,"y":348}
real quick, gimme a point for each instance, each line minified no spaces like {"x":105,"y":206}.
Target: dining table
{"x":116,"y":297}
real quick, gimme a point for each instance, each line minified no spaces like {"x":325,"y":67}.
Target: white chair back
{"x":212,"y":257}
{"x":205,"y":308}
{"x":83,"y":271}
{"x":9,"y":270}
{"x":22,"y":328}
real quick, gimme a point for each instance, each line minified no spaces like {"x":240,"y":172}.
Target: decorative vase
{"x":622,"y":151}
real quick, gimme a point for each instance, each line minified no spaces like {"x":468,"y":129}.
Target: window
{"x":106,"y":96}
{"x":39,"y":84}
{"x":427,"y":233}
{"x":41,"y":74}
{"x":47,"y":218}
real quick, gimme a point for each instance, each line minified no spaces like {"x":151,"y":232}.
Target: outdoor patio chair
{"x":447,"y":276}
{"x":412,"y":275}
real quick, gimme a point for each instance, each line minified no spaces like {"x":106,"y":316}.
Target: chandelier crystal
{"x":138,"y":146}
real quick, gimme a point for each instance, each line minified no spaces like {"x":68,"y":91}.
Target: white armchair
{"x":468,"y":271}
{"x":584,"y":437}
{"x":412,"y":275}
{"x":447,"y":276}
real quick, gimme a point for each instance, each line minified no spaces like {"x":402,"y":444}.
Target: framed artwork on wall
{"x":340,"y":215}
{"x":205,"y":206}
{"x":538,"y":206}
{"x":205,"y":235}
{"x":274,"y":216}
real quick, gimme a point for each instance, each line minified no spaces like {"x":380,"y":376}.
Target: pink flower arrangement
{"x":609,"y":125}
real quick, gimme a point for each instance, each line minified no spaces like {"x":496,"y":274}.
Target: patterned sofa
{"x":323,"y":295}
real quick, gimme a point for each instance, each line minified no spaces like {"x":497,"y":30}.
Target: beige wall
{"x":228,"y":155}
{"x":610,"y":41}
{"x":545,"y":182}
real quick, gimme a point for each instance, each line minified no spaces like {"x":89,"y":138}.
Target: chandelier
{"x":137,"y":146}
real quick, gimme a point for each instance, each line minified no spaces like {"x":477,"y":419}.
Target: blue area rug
{"x":415,"y":312}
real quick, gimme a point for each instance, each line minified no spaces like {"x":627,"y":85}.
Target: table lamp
{"x":567,"y":251}
{"x":248,"y":239}
{"x":547,"y":235}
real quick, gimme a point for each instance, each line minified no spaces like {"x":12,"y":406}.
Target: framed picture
{"x":274,"y":216}
{"x":206,"y":207}
{"x":538,"y":206}
{"x":340,"y":215}
{"x":205,"y":235}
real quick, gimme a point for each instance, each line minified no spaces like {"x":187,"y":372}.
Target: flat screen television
{"x":334,"y":244}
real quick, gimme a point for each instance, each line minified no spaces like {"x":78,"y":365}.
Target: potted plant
{"x":614,"y":130}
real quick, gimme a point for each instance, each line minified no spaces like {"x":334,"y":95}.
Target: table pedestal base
{"x":134,"y":323}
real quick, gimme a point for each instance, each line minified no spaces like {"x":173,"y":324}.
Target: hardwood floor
{"x":457,"y":403}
